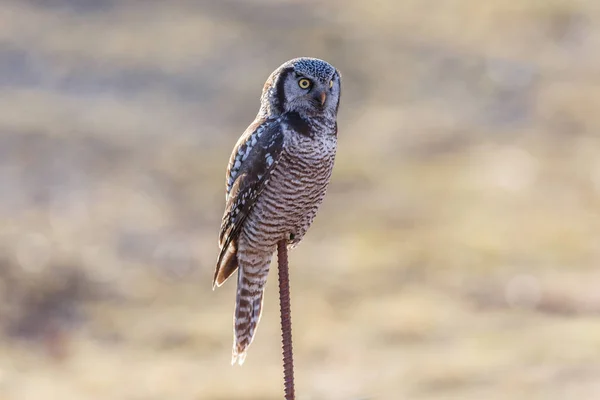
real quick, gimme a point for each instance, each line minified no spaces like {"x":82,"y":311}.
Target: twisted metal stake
{"x":286,"y":320}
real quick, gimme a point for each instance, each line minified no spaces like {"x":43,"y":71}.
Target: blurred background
{"x":455,"y":257}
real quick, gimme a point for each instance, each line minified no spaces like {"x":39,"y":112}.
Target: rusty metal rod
{"x":286,"y":320}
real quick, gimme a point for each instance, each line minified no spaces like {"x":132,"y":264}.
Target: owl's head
{"x":305,"y":85}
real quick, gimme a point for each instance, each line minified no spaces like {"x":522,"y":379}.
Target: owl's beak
{"x":319,"y":97}
{"x":323,"y":97}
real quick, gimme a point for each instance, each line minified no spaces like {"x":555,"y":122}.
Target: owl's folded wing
{"x":253,"y":159}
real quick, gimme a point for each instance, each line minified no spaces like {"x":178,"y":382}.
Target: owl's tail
{"x":252,"y":277}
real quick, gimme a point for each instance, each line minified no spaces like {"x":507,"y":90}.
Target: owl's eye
{"x":330,"y":84}
{"x":304,"y":83}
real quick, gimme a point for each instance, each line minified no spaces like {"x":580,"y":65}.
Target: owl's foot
{"x":293,"y":241}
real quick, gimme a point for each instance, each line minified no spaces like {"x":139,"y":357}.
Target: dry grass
{"x":457,"y":253}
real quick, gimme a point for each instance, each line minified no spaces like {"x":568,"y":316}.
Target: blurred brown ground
{"x":456,"y":255}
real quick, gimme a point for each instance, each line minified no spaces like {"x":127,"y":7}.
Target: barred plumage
{"x":276,"y":179}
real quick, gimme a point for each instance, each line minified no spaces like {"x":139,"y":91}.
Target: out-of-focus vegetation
{"x":456,"y":255}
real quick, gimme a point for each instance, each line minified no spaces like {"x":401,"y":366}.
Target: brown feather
{"x":226,"y":265}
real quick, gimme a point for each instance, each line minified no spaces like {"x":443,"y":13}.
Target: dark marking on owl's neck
{"x":337,"y":105}
{"x":279,"y":100}
{"x":297,"y":123}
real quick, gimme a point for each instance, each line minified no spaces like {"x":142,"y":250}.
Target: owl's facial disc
{"x":313,"y":92}
{"x":309,"y":95}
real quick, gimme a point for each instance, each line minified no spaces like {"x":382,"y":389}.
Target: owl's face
{"x":308,"y":86}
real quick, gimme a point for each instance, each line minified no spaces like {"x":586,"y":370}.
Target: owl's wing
{"x":252,"y":161}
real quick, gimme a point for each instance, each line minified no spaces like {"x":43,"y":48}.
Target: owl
{"x":276,"y":180}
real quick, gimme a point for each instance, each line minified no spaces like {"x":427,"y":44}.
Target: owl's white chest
{"x":313,"y":150}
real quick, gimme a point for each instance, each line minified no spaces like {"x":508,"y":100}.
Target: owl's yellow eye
{"x":304,"y":83}
{"x":330,"y":84}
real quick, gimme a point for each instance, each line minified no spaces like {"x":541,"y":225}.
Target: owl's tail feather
{"x":248,"y":306}
{"x":226,"y":265}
